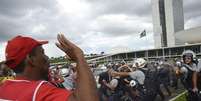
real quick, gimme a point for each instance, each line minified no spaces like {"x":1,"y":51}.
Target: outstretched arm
{"x":120,"y":73}
{"x":86,"y":86}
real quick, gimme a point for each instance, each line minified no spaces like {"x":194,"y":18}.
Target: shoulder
{"x":47,"y":92}
{"x":136,"y":73}
{"x":139,"y":72}
{"x":194,"y":67}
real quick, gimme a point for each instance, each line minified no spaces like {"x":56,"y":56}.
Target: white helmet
{"x":141,"y":62}
{"x":188,"y":53}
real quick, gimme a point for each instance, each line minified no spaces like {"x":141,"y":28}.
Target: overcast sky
{"x":94,"y":25}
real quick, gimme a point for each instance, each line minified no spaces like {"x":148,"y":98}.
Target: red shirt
{"x":25,"y":90}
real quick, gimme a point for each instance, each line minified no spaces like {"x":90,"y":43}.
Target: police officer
{"x":189,"y":71}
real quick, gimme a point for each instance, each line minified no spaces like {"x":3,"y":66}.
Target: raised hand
{"x":72,"y":51}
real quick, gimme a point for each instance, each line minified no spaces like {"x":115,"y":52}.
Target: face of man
{"x":187,"y":60}
{"x":40,"y":61}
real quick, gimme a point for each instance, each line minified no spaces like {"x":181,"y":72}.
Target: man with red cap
{"x":27,"y":58}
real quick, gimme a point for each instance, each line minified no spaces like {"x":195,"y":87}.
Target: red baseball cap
{"x":18,"y":48}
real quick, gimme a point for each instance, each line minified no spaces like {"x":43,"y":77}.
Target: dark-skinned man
{"x":27,"y":58}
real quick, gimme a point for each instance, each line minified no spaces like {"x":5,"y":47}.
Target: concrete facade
{"x":168,"y":19}
{"x":174,"y":20}
{"x":156,"y":23}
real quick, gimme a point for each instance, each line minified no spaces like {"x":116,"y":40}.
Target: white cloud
{"x":120,"y":24}
{"x":38,"y":28}
{"x":51,"y":49}
{"x":74,"y":7}
{"x":192,"y":23}
{"x":2,"y":51}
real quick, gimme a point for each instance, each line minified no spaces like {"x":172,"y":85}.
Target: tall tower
{"x":168,"y":19}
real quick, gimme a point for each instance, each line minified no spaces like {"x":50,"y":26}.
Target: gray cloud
{"x":137,"y":13}
{"x":18,"y":8}
{"x":129,"y":7}
{"x":21,"y":16}
{"x":121,"y":25}
{"x":192,"y":12}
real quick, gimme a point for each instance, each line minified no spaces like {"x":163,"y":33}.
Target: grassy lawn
{"x":181,"y":97}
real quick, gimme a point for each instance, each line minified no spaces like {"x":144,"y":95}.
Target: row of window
{"x":170,"y":52}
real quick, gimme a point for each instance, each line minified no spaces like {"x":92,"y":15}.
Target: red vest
{"x":20,"y":90}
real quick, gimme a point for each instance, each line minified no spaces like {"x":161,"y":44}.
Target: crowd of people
{"x":138,"y":82}
{"x":143,"y":80}
{"x":27,"y":67}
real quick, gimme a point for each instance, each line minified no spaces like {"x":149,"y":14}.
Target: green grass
{"x":181,"y":97}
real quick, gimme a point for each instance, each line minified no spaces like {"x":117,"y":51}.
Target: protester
{"x":104,"y":78}
{"x":55,"y":77}
{"x":5,"y":73}
{"x":137,"y":74}
{"x":70,"y":78}
{"x":27,"y":58}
